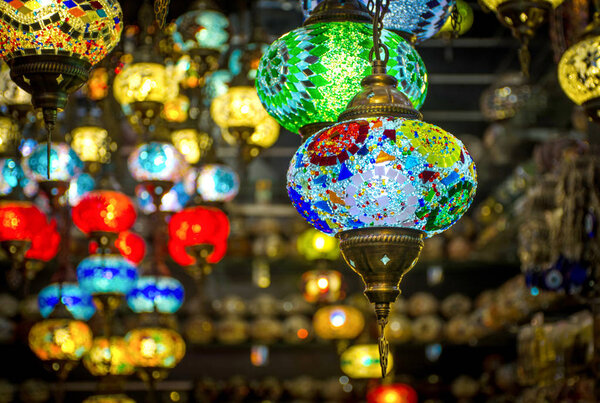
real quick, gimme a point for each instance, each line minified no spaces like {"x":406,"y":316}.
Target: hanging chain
{"x":161,"y":9}
{"x":456,"y":20}
{"x":378,"y":8}
{"x":384,"y":347}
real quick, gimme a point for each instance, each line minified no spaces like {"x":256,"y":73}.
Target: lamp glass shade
{"x":85,"y":29}
{"x":466,"y":13}
{"x":60,"y":339}
{"x":157,"y":161}
{"x":91,"y":143}
{"x":106,"y":274}
{"x":19,"y":220}
{"x":9,"y":133}
{"x":394,"y":393}
{"x":382,"y":172}
{"x":10,"y":93}
{"x":172,"y":201}
{"x":104,"y":211}
{"x":192,"y":144}
{"x":80,"y":186}
{"x":338,"y":322}
{"x":13,"y":175}
{"x":131,"y":246}
{"x":240,"y":106}
{"x":141,"y":82}
{"x":322,"y":286}
{"x":201,"y":29}
{"x":45,"y":242}
{"x":78,"y":302}
{"x":118,"y":398}
{"x":421,"y":19}
{"x":362,"y":361}
{"x":494,"y":4}
{"x":109,"y":356}
{"x":155,"y":347}
{"x":197,"y":226}
{"x":313,"y":245}
{"x":310,"y":74}
{"x":64,"y":163}
{"x":156,"y":294}
{"x":217,"y":183}
{"x":578,"y":70}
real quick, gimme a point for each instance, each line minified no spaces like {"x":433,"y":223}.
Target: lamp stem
{"x":50,"y":121}
{"x":382,"y":311}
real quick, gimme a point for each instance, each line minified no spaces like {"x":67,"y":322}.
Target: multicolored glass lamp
{"x":523,"y":18}
{"x":198,"y":238}
{"x":109,"y":356}
{"x":202,"y":33}
{"x":394,"y":393}
{"x":322,"y":286}
{"x":381,"y":180}
{"x":307,"y":77}
{"x":160,"y":294}
{"x":50,"y":46}
{"x":578,"y":70}
{"x":217,"y":183}
{"x":363,"y":361}
{"x":78,"y":303}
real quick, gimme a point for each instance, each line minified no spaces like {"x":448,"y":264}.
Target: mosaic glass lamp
{"x":155,"y":350}
{"x":394,"y":393}
{"x":109,"y":356}
{"x":523,"y":18}
{"x":202,"y":33}
{"x":51,"y":45}
{"x":217,"y":183}
{"x":64,"y":164}
{"x":322,"y":286}
{"x":198,"y":238}
{"x":131,"y":246}
{"x":91,"y":143}
{"x":60,"y":343}
{"x":18,"y":223}
{"x":77,"y":302}
{"x":338,"y":322}
{"x":578,"y":71}
{"x":307,"y":77}
{"x":314,"y":245}
{"x":13,"y":176}
{"x":362,"y":361}
{"x":156,"y":294}
{"x":44,"y":243}
{"x":192,"y":144}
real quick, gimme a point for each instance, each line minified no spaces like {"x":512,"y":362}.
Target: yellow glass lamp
{"x":144,"y":87}
{"x":109,"y":356}
{"x":322,"y":286}
{"x":176,"y":110}
{"x":466,"y":20}
{"x":9,"y":136}
{"x":241,"y":116}
{"x":60,"y":343}
{"x":91,"y":143}
{"x":313,"y":245}
{"x":362,"y":361}
{"x":192,"y":144}
{"x":579,"y":70}
{"x":118,"y":398}
{"x":338,"y":322}
{"x":155,"y":350}
{"x":523,"y":18}
{"x":11,"y":95}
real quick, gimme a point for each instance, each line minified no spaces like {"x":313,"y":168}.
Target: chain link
{"x":378,"y":8}
{"x":456,"y":20}
{"x":161,"y":9}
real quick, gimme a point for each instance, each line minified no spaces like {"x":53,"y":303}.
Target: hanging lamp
{"x":523,"y":18}
{"x":50,"y":47}
{"x":382,"y":181}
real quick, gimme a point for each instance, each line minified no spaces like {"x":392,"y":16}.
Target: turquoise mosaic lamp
{"x":160,"y":294}
{"x":78,"y":302}
{"x":307,"y":77}
{"x":382,"y":181}
{"x":64,"y":163}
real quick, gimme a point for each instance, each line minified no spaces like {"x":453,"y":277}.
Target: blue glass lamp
{"x":78,"y":302}
{"x":64,"y":163}
{"x":156,"y":294}
{"x":79,"y":187}
{"x":12,"y":175}
{"x":201,"y":30}
{"x":217,"y":182}
{"x":157,"y":161}
{"x":106,"y":274}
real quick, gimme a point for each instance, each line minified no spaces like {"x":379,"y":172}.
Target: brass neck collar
{"x":339,"y":10}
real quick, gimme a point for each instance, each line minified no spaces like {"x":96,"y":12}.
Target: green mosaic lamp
{"x":307,"y":77}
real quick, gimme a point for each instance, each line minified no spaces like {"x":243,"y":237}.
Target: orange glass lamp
{"x":338,"y":322}
{"x":60,"y":343}
{"x":315,"y":245}
{"x":322,"y":286}
{"x":362,"y":361}
{"x":155,"y":350}
{"x":109,"y":356}
{"x":395,"y":393}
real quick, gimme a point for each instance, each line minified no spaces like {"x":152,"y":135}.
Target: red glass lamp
{"x":395,"y":393}
{"x":198,"y":238}
{"x":44,"y":243}
{"x":103,"y":214}
{"x":131,"y":246}
{"x":19,"y":222}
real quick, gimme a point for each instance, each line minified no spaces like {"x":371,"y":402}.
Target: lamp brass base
{"x":381,"y":256}
{"x":55,"y":191}
{"x":157,"y":189}
{"x":201,"y":268}
{"x":337,"y":10}
{"x":16,"y":249}
{"x":106,"y":242}
{"x":145,"y":114}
